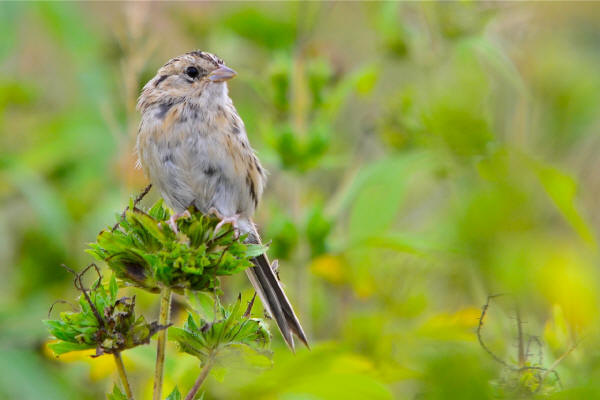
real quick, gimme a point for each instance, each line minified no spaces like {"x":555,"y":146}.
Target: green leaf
{"x":116,"y":394}
{"x":145,"y":252}
{"x":110,"y":325}
{"x":175,"y":395}
{"x":158,"y":212}
{"x":203,"y":304}
{"x":114,"y":288}
{"x":255,"y":250}
{"x":204,"y":338}
{"x":270,"y":30}
{"x":66,"y":347}
{"x":562,"y":189}
{"x":378,"y":192}
{"x":361,"y":80}
{"x":318,"y":227}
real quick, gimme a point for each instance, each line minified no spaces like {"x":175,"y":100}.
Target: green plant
{"x":231,"y":329}
{"x":144,"y":252}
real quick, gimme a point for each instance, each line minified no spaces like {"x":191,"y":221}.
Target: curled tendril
{"x":79,"y":286}
{"x":135,"y":203}
{"x":542,"y":372}
{"x":73,"y":306}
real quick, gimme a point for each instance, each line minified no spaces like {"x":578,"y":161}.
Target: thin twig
{"x":249,"y":308}
{"x":218,"y":264}
{"x":123,"y":374}
{"x":540,"y":350}
{"x":73,"y":306}
{"x":165,"y":310}
{"x":520,"y":343}
{"x":79,"y":286}
{"x":552,"y":368}
{"x":203,"y":374}
{"x":135,"y":203}
{"x":214,"y":239}
{"x":480,"y":326}
{"x":522,"y":356}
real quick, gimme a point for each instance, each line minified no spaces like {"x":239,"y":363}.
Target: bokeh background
{"x":421,"y":157}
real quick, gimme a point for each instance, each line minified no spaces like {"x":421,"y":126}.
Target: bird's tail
{"x":267,"y":285}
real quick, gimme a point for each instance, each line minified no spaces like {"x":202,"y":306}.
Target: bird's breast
{"x":195,"y":157}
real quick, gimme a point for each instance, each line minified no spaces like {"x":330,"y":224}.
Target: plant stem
{"x":164,"y":319}
{"x":123,"y":375}
{"x":203,"y":374}
{"x":522,"y":355}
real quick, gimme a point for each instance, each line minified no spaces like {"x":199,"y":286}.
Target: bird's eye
{"x":192,"y":72}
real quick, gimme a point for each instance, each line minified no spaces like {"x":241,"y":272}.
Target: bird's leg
{"x":233,"y":220}
{"x":172,"y":221}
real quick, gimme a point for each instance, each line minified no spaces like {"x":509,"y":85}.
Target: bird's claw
{"x":172,"y":221}
{"x":173,"y":224}
{"x":215,"y":212}
{"x":233,"y":220}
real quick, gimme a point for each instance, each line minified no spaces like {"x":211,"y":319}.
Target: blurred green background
{"x":421,"y":157}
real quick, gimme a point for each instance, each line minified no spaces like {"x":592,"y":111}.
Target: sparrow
{"x":192,"y":145}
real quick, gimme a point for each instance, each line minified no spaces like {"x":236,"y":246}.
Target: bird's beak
{"x":222,"y":74}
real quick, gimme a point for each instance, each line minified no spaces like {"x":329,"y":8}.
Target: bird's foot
{"x":233,"y":220}
{"x":216,"y":213}
{"x":172,"y":221}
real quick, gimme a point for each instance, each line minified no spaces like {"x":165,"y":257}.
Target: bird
{"x":193,"y":146}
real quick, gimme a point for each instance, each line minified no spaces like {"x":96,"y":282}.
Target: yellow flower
{"x":568,"y":281}
{"x":100,"y":367}
{"x":452,"y":326}
{"x":330,"y":268}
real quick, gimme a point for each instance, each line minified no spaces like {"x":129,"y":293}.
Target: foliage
{"x":116,"y":394}
{"x":421,"y":156}
{"x":194,"y":251}
{"x":205,"y":339}
{"x":175,"y":395}
{"x":147,"y":253}
{"x":104,"y":322}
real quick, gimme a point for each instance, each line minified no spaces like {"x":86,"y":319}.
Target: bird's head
{"x":191,"y":75}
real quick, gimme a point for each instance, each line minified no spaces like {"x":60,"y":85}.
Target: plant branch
{"x":201,"y":378}
{"x":552,"y":368}
{"x":521,"y":355}
{"x":484,"y":310}
{"x":79,"y":286}
{"x":135,"y":203}
{"x":249,"y":308}
{"x":165,"y":308}
{"x":123,"y":375}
